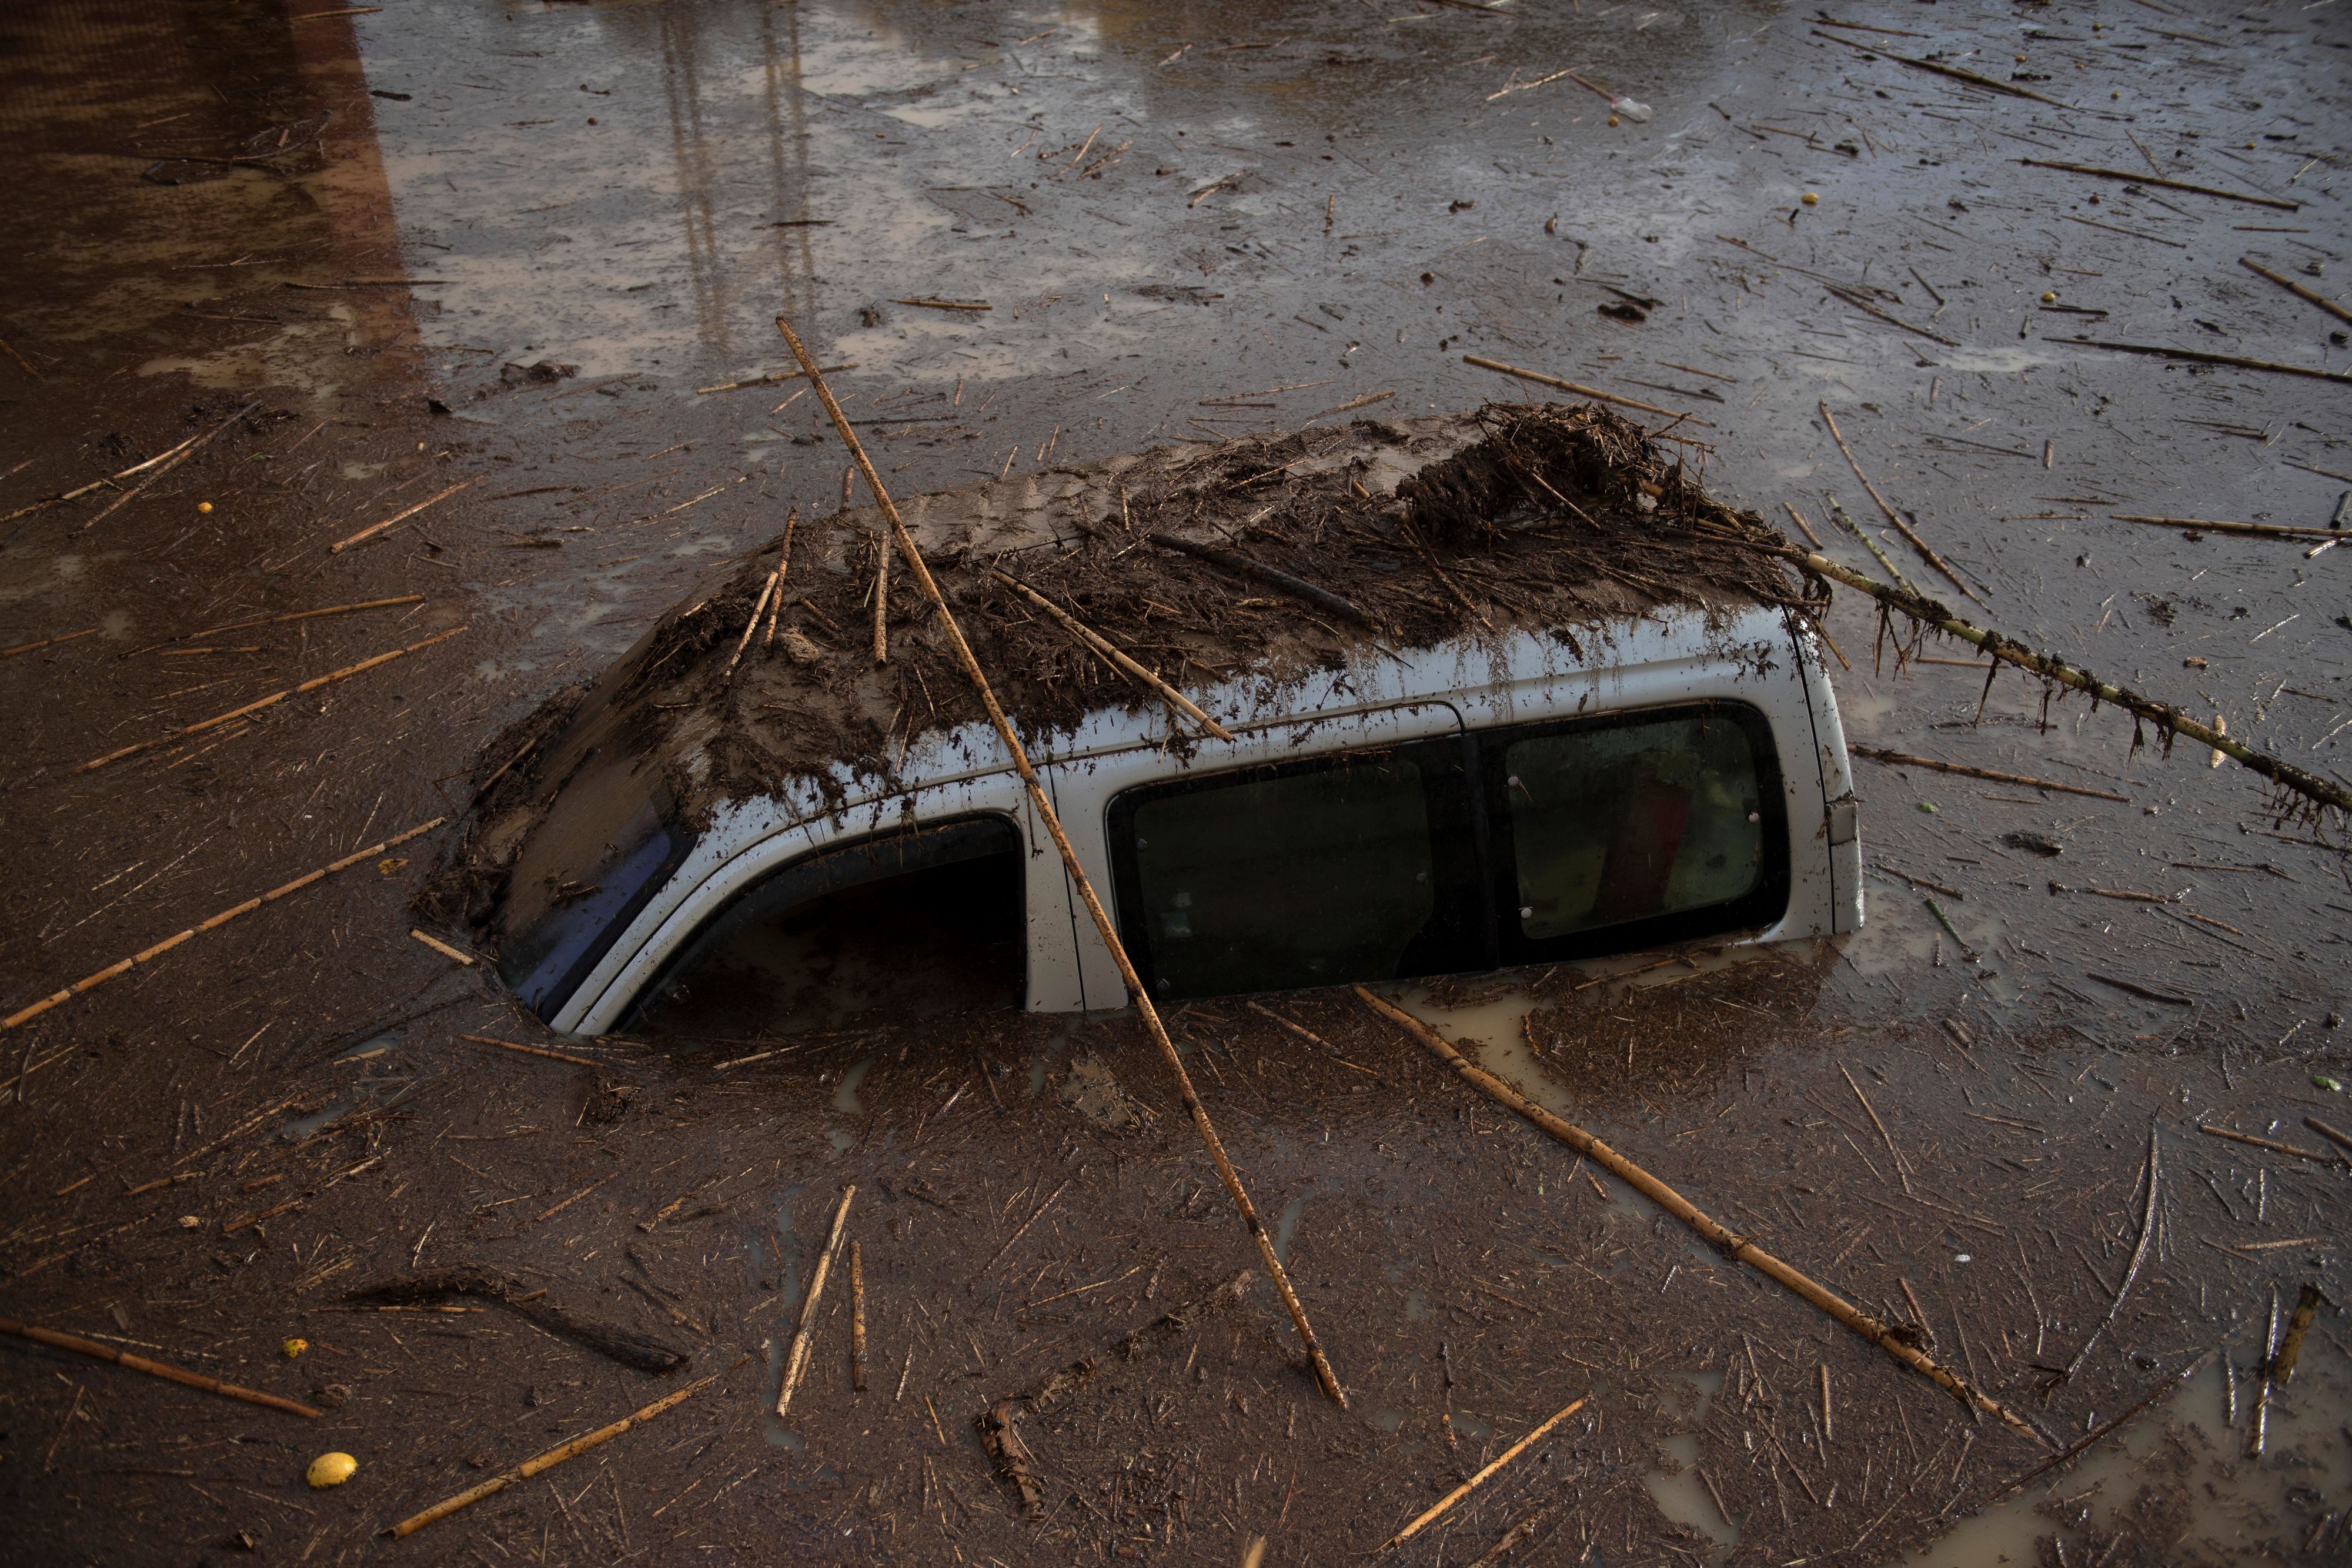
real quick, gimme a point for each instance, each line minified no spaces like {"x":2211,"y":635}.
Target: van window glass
{"x":1621,"y":822}
{"x":1309,"y":875}
{"x":898,"y":927}
{"x":580,"y":908}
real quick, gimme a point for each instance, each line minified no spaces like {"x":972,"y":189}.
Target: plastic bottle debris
{"x":1632,"y":108}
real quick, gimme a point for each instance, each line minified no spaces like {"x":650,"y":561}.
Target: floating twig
{"x":1904,"y":759}
{"x":929,"y":303}
{"x":772,"y":377}
{"x":857,"y":1317}
{"x":531,"y":1050}
{"x":2130,"y":178}
{"x":1541,"y":380}
{"x":2153,"y":1176}
{"x":769,"y":590}
{"x":1102,"y":646}
{"x":1084,"y":885}
{"x":95,"y":1351}
{"x":124,"y":966}
{"x":1467,"y":1488}
{"x":798,"y":1359}
{"x":2317,"y":1156}
{"x":2259,"y":1429}
{"x":2199,"y":357}
{"x":2135,"y":988}
{"x":548,"y":1460}
{"x":2254,"y":530}
{"x":2341,"y":1139}
{"x":305,"y":615}
{"x":312,"y":685}
{"x":1297,"y":587}
{"x":1730,"y":1244}
{"x":2076,"y":1450}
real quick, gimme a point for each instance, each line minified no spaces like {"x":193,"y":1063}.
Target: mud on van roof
{"x":1267,"y":559}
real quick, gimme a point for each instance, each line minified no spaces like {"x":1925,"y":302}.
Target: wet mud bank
{"x":353,"y":329}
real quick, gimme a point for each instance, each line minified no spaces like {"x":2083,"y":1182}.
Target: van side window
{"x":1350,"y":868}
{"x":1620,"y":833}
{"x":885,"y":930}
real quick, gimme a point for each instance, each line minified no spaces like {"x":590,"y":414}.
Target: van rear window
{"x":1509,"y":846}
{"x":1631,"y":823}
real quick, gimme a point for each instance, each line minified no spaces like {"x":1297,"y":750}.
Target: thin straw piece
{"x":1938,"y":562}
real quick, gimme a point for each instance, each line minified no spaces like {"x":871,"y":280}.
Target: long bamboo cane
{"x":1078,"y":878}
{"x":80,"y":1346}
{"x":1729,"y":1243}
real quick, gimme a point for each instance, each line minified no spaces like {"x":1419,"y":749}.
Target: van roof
{"x":1550,"y":520}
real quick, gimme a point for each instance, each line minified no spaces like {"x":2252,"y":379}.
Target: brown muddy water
{"x":438,"y":242}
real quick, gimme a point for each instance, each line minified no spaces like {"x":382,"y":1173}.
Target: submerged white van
{"x":1399,"y":806}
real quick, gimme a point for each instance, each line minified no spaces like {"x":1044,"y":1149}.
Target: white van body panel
{"x":1664,"y":657}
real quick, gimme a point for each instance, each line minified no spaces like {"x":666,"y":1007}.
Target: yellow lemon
{"x":204,"y":505}
{"x":294,"y":1347}
{"x":1811,"y":200}
{"x":330,"y":1469}
{"x":1612,"y":119}
{"x":2050,"y":299}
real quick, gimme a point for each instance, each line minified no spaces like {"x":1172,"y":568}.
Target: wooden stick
{"x":881,"y":599}
{"x":2292,"y":286}
{"x":548,"y":1460}
{"x":1904,"y":759}
{"x":1467,"y":1488}
{"x":90,"y":1347}
{"x":798,"y":1359}
{"x":1299,"y":587}
{"x":1541,"y":380}
{"x":304,"y":615}
{"x":771,"y":590}
{"x":2324,"y":791}
{"x":858,"y":1317}
{"x":456,"y":955}
{"x":530,"y":1050}
{"x":2128,"y":176}
{"x":123,"y":967}
{"x":1535,"y":1519}
{"x":2131,"y":1270}
{"x":2110,"y":1429}
{"x":1900,"y":526}
{"x":1988,"y":83}
{"x":2317,"y":1156}
{"x":164,"y":465}
{"x":1145,"y":1011}
{"x":1101,"y":646}
{"x":374,"y":529}
{"x":312,"y":685}
{"x":1731,"y":1245}
{"x":2215,"y":526}
{"x":2198,"y":356}
{"x":1807,"y":529}
{"x":776,"y":604}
